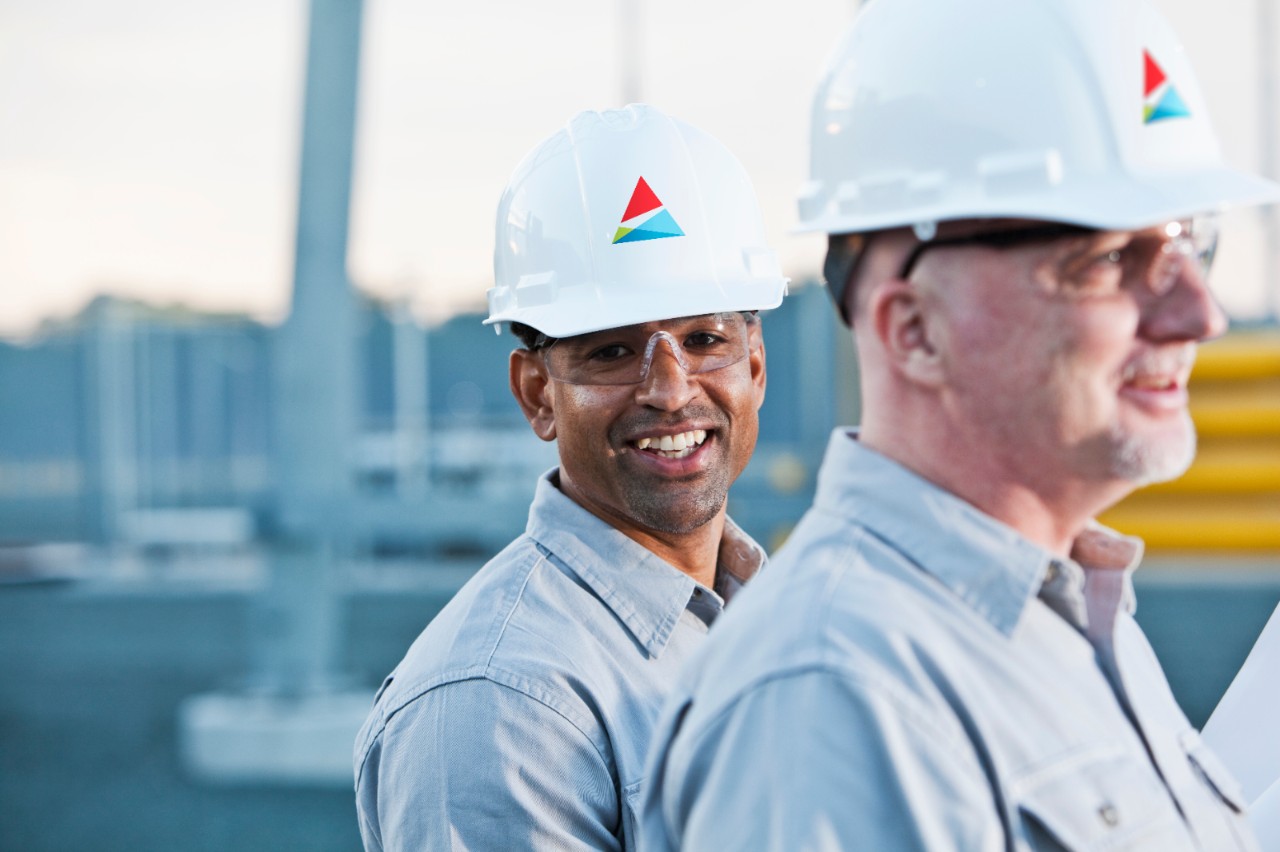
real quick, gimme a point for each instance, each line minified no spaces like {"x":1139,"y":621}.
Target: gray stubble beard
{"x":1143,"y":461}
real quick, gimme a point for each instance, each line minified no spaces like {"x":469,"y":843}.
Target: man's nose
{"x":665,"y":382}
{"x":1188,"y":312}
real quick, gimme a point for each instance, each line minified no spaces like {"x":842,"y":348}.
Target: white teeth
{"x":674,"y":446}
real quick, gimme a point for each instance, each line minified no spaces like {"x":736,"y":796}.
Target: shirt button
{"x":1109,"y":815}
{"x":697,"y":593}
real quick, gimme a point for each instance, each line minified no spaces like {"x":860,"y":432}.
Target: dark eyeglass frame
{"x":1011,"y":238}
{"x":842,"y":259}
{"x":845,"y":251}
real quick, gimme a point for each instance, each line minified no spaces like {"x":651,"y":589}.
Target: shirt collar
{"x":1092,"y":587}
{"x":739,"y":559}
{"x":987,"y":564}
{"x":644,"y":592}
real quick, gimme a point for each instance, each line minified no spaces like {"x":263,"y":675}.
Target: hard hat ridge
{"x":628,"y":216}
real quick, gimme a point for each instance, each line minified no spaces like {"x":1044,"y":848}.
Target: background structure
{"x":199,"y":586}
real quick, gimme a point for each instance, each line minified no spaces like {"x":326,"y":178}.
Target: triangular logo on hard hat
{"x":645,"y":218}
{"x":1160,"y":100}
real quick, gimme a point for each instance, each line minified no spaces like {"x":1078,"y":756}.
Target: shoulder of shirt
{"x":497,"y":629}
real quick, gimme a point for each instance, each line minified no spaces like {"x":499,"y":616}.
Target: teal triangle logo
{"x":1169,"y":106}
{"x":646,"y":218}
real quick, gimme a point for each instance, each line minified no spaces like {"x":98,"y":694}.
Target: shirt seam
{"x":518,"y":684}
{"x":539,"y":692}
{"x":603,"y":762}
{"x":517,"y":599}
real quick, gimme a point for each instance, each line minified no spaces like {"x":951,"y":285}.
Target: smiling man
{"x":630,"y":262}
{"x":1020,"y":199}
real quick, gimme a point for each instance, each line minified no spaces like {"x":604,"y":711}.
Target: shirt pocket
{"x":631,"y":813}
{"x":1099,"y":800}
{"x":1212,"y":771}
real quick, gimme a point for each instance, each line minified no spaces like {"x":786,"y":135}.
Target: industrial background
{"x":219,"y":529}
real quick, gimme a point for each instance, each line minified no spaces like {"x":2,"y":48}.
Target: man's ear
{"x":531,"y":386}
{"x":759,"y":376}
{"x":898,"y":314}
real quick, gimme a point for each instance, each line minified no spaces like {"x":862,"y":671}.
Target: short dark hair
{"x":530,"y":337}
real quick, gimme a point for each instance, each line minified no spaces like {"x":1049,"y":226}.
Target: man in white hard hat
{"x":943,"y":655}
{"x":630,"y":262}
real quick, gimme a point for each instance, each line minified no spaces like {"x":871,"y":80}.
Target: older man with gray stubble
{"x":1019,"y":199}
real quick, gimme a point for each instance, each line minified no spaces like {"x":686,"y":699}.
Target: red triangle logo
{"x":642,"y":201}
{"x":1154,"y":74}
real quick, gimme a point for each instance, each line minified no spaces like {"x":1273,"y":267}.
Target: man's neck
{"x":1051,"y":514}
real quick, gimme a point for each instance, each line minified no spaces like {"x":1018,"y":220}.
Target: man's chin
{"x":1145,"y":459}
{"x":676,"y":516}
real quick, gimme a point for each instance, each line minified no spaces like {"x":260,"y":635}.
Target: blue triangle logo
{"x":663,"y":223}
{"x":1170,"y":105}
{"x":658,"y":227}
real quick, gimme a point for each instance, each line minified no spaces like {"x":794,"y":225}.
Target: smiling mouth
{"x":672,"y":446}
{"x":1155,"y":373}
{"x":1153,"y":383}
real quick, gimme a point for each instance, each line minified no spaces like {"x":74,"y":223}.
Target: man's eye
{"x":610,"y":352}
{"x":1101,"y":273}
{"x":1108,"y":261}
{"x":703,"y":340}
{"x":1093,"y":267}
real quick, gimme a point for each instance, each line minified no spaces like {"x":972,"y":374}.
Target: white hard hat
{"x":628,"y":216}
{"x":1079,"y":111}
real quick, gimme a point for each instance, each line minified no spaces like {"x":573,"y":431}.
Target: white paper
{"x":1265,"y":816}
{"x":1244,"y":730}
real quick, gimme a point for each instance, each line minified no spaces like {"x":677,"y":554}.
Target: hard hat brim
{"x":662,"y":302}
{"x":1112,"y":203}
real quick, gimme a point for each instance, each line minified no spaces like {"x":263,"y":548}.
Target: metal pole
{"x":316,"y":379}
{"x":315,"y":353}
{"x":296,"y":707}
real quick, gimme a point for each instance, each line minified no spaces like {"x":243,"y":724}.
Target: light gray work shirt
{"x":520,"y":717}
{"x":912,"y":674}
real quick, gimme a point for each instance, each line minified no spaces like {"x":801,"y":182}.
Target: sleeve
{"x":480,"y":766}
{"x":821,"y":760}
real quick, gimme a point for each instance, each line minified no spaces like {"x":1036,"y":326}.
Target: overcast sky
{"x":149,"y":146}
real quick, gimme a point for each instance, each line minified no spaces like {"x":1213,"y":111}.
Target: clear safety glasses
{"x":1092,"y":262}
{"x":623,"y":356}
